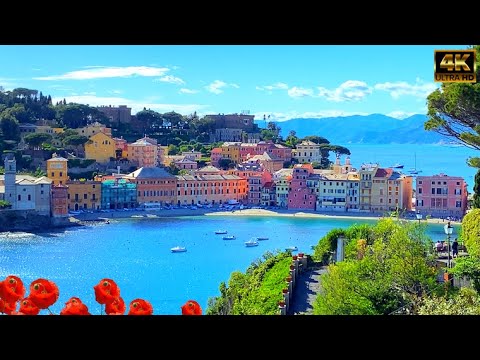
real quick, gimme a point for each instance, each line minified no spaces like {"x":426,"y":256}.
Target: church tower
{"x":10,"y":178}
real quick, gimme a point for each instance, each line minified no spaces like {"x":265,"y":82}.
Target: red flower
{"x":191,"y":307}
{"x":43,"y":293}
{"x":106,"y":291}
{"x":12,"y":289}
{"x":140,"y":307}
{"x":74,"y":306}
{"x":27,"y":307}
{"x":6,"y":307}
{"x":116,"y":307}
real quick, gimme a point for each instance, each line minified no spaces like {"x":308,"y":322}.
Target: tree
{"x":395,"y":269}
{"x":35,"y":140}
{"x":454,"y":112}
{"x":225,"y":163}
{"x":466,"y":302}
{"x":316,"y":139}
{"x":470,"y":232}
{"x":476,"y":191}
{"x":10,"y":128}
{"x":292,"y":140}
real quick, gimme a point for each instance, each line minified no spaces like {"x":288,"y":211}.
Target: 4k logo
{"x":455,"y":66}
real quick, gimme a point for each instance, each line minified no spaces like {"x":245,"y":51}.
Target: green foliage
{"x":469,"y":268}
{"x":5,"y":204}
{"x":81,"y":163}
{"x":327,"y":245}
{"x":470,"y":232}
{"x":465,"y":302}
{"x":225,"y":163}
{"x":35,"y":140}
{"x":257,"y":292}
{"x":476,"y":191}
{"x":454,"y":112}
{"x":9,"y":127}
{"x":395,"y":269}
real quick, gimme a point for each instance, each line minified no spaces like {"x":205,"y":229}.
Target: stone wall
{"x":29,"y":220}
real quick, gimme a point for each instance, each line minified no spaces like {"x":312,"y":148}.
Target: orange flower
{"x":191,"y":307}
{"x":43,"y":293}
{"x":74,"y":306}
{"x":6,"y":307}
{"x":106,"y":291}
{"x":140,"y":307}
{"x":12,"y":289}
{"x":27,"y":307}
{"x":116,"y":307}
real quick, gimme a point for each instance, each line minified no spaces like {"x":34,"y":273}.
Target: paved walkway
{"x":305,"y":292}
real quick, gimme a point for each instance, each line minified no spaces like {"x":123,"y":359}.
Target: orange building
{"x":57,"y":168}
{"x":154,"y":185}
{"x":59,"y":202}
{"x":143,"y":152}
{"x":84,"y":195}
{"x":210,"y":189}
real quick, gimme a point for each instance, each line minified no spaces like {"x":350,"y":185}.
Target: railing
{"x":298,"y":265}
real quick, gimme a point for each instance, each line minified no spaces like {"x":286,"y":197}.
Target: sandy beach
{"x":104,"y":216}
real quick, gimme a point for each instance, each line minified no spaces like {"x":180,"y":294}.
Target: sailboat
{"x":414,"y":170}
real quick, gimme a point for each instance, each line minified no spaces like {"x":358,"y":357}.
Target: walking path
{"x":306,"y":289}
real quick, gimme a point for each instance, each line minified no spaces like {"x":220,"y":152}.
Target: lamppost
{"x":419,"y":217}
{"x":448,"y":231}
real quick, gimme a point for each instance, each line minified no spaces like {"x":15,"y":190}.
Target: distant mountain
{"x":369,"y":129}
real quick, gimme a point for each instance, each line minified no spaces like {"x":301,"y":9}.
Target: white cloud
{"x":136,"y":106}
{"x":217,"y":86}
{"x":280,"y":116}
{"x":187,"y":91}
{"x":396,"y":89}
{"x":171,"y":79}
{"x":97,"y":72}
{"x":350,"y":90}
{"x":297,"y":92}
{"x":400,"y":114}
{"x":7,"y":84}
{"x":270,"y":88}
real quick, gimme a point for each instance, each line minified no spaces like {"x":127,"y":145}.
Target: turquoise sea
{"x":135,"y":252}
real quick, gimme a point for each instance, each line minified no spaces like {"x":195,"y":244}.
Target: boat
{"x":229,"y":237}
{"x":220,"y":231}
{"x":177,"y":249}
{"x":262,"y":238}
{"x":414,"y":170}
{"x":251,"y":242}
{"x":292,"y":248}
{"x":398,"y":166}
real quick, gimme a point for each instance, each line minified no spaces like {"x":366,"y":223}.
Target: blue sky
{"x":277,"y":80}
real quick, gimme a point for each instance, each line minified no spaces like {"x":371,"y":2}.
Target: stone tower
{"x":10,"y":178}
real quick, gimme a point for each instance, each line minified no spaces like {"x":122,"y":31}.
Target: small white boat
{"x":251,"y":243}
{"x":262,"y":238}
{"x":220,"y":231}
{"x":178,"y":249}
{"x":397,"y":166}
{"x":229,"y":237}
{"x":292,"y":248}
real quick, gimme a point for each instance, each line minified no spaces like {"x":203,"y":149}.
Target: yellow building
{"x":101,"y":148}
{"x":84,"y":195}
{"x":57,"y":168}
{"x":231,"y":150}
{"x":93,"y":129}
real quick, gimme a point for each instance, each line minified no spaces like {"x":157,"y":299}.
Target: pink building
{"x":441,"y":195}
{"x":215,"y":156}
{"x":143,"y":152}
{"x":300,"y":196}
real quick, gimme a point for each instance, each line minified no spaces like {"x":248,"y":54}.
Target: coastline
{"x":109,"y":215}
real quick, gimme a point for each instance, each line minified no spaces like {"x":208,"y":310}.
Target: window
{"x":433,"y":191}
{"x":29,"y":197}
{"x":458,"y":204}
{"x":85,"y":196}
{"x":458,"y":191}
{"x":419,"y":190}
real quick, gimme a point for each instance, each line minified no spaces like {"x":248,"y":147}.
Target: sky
{"x":279,"y":81}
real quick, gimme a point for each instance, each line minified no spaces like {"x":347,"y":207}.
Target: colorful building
{"x":59,"y":201}
{"x":307,"y":152}
{"x":143,"y":152}
{"x":93,"y":129}
{"x":210,"y":189}
{"x":282,"y":179}
{"x":118,"y":194}
{"x":154,"y":185}
{"x":441,"y":195}
{"x":84,"y":195}
{"x":57,"y":170}
{"x":215,"y":156}
{"x":231,"y":150}
{"x":100,"y":148}
{"x":300,"y":195}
